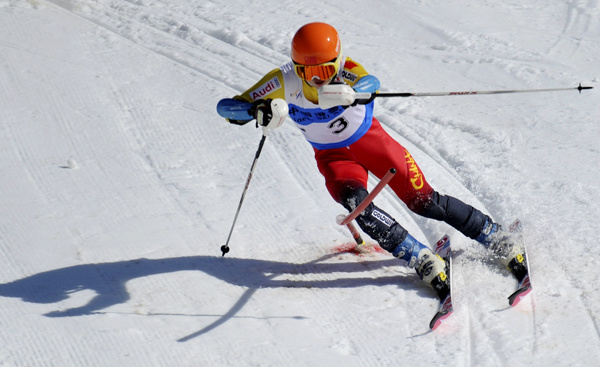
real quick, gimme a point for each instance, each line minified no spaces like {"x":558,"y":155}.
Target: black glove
{"x":238,"y":122}
{"x":261,"y":110}
{"x":364,"y":101}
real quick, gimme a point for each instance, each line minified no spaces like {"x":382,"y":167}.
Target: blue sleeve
{"x":367,"y":84}
{"x":232,"y":109}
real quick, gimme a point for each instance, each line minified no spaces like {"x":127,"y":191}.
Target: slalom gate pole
{"x":225,"y":247}
{"x":368,"y":96}
{"x":347,"y":220}
{"x":355,"y":233}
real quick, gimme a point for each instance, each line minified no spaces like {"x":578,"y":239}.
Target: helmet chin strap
{"x":342,"y":59}
{"x":338,"y":77}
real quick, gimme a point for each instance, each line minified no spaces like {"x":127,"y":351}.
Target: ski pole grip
{"x":359,"y":209}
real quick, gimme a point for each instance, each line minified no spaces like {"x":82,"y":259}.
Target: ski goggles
{"x":323,"y":71}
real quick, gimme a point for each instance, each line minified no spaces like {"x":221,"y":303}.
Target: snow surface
{"x":120,"y":182}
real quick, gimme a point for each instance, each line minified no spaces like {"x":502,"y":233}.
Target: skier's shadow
{"x":108,"y":280}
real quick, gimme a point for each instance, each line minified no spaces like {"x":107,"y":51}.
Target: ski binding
{"x":519,"y":267}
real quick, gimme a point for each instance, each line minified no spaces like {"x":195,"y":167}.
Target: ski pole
{"x":276,"y":111}
{"x":331,"y":96}
{"x":369,"y":96}
{"x":225,"y":247}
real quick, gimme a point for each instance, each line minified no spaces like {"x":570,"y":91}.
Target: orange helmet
{"x":319,"y":45}
{"x":315,"y":43}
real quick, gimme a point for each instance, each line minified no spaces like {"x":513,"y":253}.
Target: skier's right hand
{"x":269,"y":113}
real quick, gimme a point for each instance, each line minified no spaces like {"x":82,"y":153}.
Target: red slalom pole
{"x":355,"y":233}
{"x":350,"y":217}
{"x":346,"y":220}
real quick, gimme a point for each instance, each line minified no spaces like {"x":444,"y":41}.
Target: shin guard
{"x":465,"y":218}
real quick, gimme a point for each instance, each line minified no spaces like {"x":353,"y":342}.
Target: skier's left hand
{"x":336,"y":94}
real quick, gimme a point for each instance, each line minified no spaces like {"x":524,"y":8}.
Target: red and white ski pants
{"x":375,"y":152}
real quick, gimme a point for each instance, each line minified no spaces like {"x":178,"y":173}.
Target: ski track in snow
{"x":117,"y":262}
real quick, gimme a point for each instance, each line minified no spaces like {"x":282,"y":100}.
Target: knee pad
{"x":375,"y":222}
{"x":352,"y":195}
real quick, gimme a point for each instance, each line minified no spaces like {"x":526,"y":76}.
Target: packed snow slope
{"x":119,"y":183}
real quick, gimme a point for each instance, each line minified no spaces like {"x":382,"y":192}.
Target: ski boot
{"x":506,"y":246}
{"x":511,"y":254}
{"x":430,"y":267}
{"x":433,"y":270}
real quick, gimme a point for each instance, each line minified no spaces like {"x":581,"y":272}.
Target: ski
{"x":446,"y":308}
{"x":519,"y":267}
{"x":522,"y":290}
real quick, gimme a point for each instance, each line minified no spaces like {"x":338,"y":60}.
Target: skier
{"x":349,"y":142}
